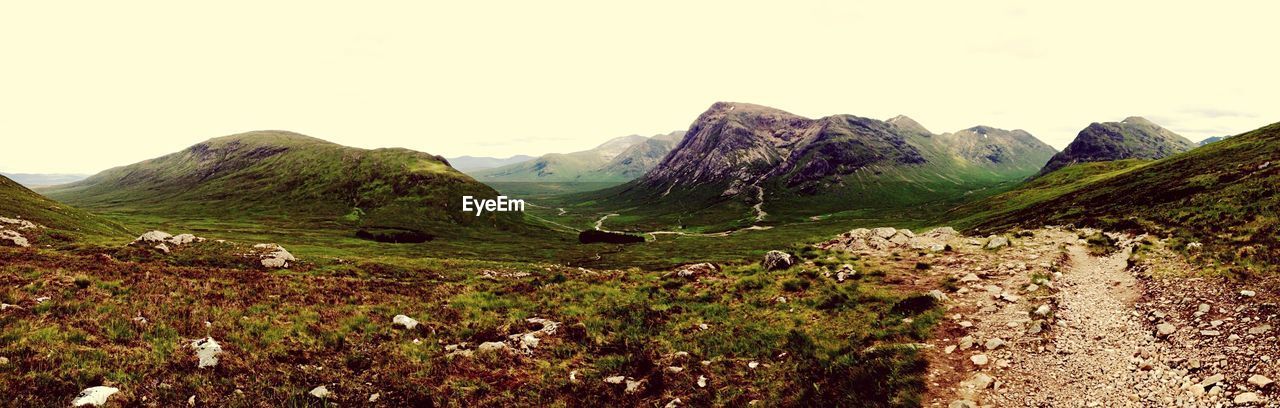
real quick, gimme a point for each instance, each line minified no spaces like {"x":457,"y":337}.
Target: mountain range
{"x":617,"y":160}
{"x":737,"y":155}
{"x":474,"y":163}
{"x":1132,"y":138}
{"x":278,"y":174}
{"x":40,"y":179}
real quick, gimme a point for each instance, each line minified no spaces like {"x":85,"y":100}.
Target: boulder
{"x":996,"y":242}
{"x":183,"y":239}
{"x":860,"y":233}
{"x":405,"y":321}
{"x":95,"y":396}
{"x":153,"y":237}
{"x":207,"y":350}
{"x":776,"y":260}
{"x":275,"y":256}
{"x":884,"y":232}
{"x":492,"y":346}
{"x":698,"y":269}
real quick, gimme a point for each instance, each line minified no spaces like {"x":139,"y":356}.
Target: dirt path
{"x":1076,"y":338}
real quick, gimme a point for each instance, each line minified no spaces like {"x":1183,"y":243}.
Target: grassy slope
{"x":287,"y":179}
{"x":17,"y":201}
{"x":1222,"y":194}
{"x":278,"y":328}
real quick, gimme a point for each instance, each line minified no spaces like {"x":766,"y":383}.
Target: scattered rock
{"x":994,"y":344}
{"x":775,"y":260}
{"x":207,"y":350}
{"x":634,"y":386}
{"x":962,"y":404}
{"x":96,"y":396}
{"x":405,"y":321}
{"x":1165,"y":329}
{"x":153,"y":237}
{"x":617,"y":379}
{"x":702,"y":381}
{"x":1248,"y":293}
{"x":1211,"y":380}
{"x":374,"y":398}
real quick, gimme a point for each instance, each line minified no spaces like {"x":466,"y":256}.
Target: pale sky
{"x":88,"y":85}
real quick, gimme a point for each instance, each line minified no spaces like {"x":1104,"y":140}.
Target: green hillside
{"x":291,"y":179}
{"x":19,"y":202}
{"x":1222,"y":195}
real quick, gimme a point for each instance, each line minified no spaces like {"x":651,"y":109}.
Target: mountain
{"x":473,"y":163}
{"x":736,"y":155}
{"x":1212,"y":139}
{"x":294,"y":179}
{"x":18,"y":202}
{"x":617,"y":160}
{"x":1132,"y":138}
{"x":38,"y":180}
{"x":1221,"y":195}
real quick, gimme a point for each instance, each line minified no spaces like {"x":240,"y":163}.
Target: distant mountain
{"x":473,"y":163}
{"x":1132,"y":138}
{"x":38,"y":180}
{"x":1212,"y":139}
{"x":295,"y":179}
{"x":617,"y":160}
{"x":736,"y":155}
{"x":1222,"y":195}
{"x":18,"y":202}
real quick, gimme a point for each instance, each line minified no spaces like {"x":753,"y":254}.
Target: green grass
{"x":67,"y":223}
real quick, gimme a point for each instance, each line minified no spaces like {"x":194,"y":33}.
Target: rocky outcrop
{"x":14,"y":231}
{"x":865,"y":240}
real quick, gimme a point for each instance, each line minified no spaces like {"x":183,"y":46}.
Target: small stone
{"x":978,"y":381}
{"x":1165,"y":329}
{"x":702,"y":381}
{"x":979,"y":359}
{"x":966,"y":342}
{"x":994,"y":344}
{"x":1248,"y":293}
{"x":1204,"y":308}
{"x":374,"y":398}
{"x":1043,"y":310}
{"x":1260,"y":381}
{"x":207,"y":350}
{"x":1211,"y":380}
{"x":962,"y":404}
{"x":947,"y":350}
{"x":753,"y":365}
{"x":491,"y":346}
{"x":404,"y":321}
{"x":1246,"y":398}
{"x":617,"y":379}
{"x":320,"y":392}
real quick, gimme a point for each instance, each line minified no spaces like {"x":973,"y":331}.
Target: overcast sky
{"x":90,"y":85}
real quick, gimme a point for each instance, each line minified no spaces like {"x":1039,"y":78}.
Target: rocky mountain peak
{"x":905,"y":123}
